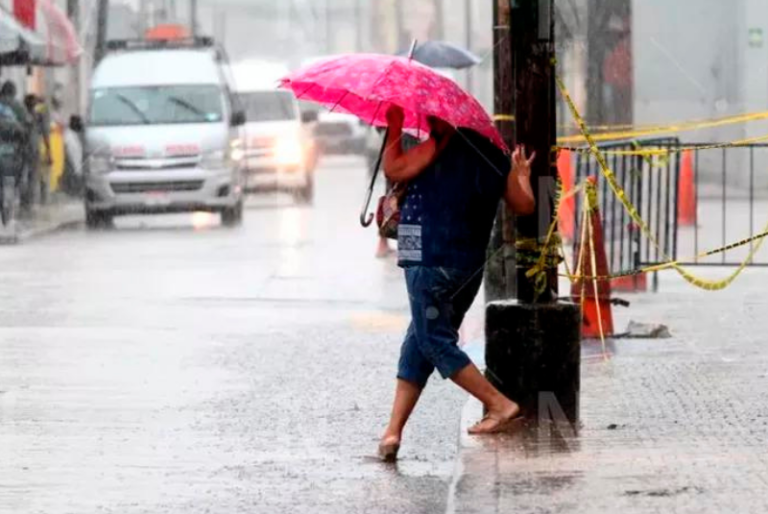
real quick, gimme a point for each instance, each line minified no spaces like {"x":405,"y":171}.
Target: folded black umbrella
{"x":441,"y":54}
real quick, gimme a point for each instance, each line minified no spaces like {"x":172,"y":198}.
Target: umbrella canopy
{"x":441,"y":54}
{"x":366,"y":85}
{"x":56,"y":44}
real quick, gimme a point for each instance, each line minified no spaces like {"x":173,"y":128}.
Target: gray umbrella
{"x":441,"y":54}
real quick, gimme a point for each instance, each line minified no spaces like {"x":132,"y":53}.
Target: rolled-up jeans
{"x":439,"y":298}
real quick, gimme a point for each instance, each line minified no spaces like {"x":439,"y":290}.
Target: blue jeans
{"x":439,"y":297}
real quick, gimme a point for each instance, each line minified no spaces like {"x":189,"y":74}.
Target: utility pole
{"x":468,"y":22}
{"x":439,"y":32}
{"x":173,"y":13}
{"x":102,"y":22}
{"x":219,"y":25}
{"x":358,"y":26}
{"x":609,"y":27}
{"x":533,"y":345}
{"x":143,"y":23}
{"x":533,"y":48}
{"x":73,"y":13}
{"x":193,"y":17}
{"x":597,"y":16}
{"x":499,"y":274}
{"x":328,"y":33}
{"x":402,"y":37}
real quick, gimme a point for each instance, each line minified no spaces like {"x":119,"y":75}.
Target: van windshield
{"x":156,"y":105}
{"x":268,"y":106}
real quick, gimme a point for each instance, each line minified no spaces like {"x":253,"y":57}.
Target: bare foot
{"x":388,"y":448}
{"x":497,"y":421}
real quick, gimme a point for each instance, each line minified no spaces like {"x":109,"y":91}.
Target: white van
{"x":279,"y":152}
{"x":162,"y":133}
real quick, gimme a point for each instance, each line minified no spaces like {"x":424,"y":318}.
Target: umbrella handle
{"x":366,"y":218}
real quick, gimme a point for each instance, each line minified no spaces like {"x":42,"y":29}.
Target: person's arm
{"x":519,"y":195}
{"x":400,"y":166}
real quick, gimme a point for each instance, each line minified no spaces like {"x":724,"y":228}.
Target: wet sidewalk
{"x":61,"y":212}
{"x":667,"y":425}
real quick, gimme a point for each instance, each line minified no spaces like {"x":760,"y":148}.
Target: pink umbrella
{"x":366,"y":85}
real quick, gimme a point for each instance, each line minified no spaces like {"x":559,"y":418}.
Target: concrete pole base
{"x":533,"y":356}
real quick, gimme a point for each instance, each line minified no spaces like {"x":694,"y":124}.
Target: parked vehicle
{"x":162,"y":133}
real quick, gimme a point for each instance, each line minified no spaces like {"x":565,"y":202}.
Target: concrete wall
{"x":754,"y":88}
{"x":693,"y":61}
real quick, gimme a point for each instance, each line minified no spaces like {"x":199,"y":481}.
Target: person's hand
{"x":395,"y":116}
{"x":519,"y":193}
{"x":521,"y":163}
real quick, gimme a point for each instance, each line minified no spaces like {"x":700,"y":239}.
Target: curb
{"x":18,"y":235}
{"x":473,"y":487}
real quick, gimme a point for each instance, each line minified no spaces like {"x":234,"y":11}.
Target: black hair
{"x":30,"y":101}
{"x":8,"y":89}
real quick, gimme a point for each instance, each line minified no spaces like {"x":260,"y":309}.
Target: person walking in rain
{"x":455,"y":181}
{"x":40,"y":149}
{"x":8,"y":98}
{"x":12,"y":108}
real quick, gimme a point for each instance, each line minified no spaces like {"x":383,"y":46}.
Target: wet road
{"x":171,"y":365}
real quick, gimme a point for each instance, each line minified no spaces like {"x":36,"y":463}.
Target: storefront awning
{"x":18,"y":45}
{"x":61,"y":39}
{"x":54,"y":43}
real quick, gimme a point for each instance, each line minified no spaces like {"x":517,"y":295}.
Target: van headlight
{"x":288,"y":151}
{"x":214,"y":160}
{"x":236,"y":152}
{"x":100,"y":164}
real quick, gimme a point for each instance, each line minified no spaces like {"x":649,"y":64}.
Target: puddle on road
{"x":411,"y":467}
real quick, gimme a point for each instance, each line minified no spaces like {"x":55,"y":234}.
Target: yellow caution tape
{"x":709,"y":285}
{"x":668,"y":127}
{"x":538,"y":272}
{"x":669,"y":264}
{"x":592,"y":197}
{"x":654,"y":150}
{"x":654,"y":131}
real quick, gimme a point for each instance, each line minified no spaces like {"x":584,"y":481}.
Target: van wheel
{"x":233,"y":216}
{"x":98,"y":219}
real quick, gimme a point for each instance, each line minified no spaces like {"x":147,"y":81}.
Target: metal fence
{"x":732,"y":204}
{"x":731,"y":208}
{"x":650,"y":184}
